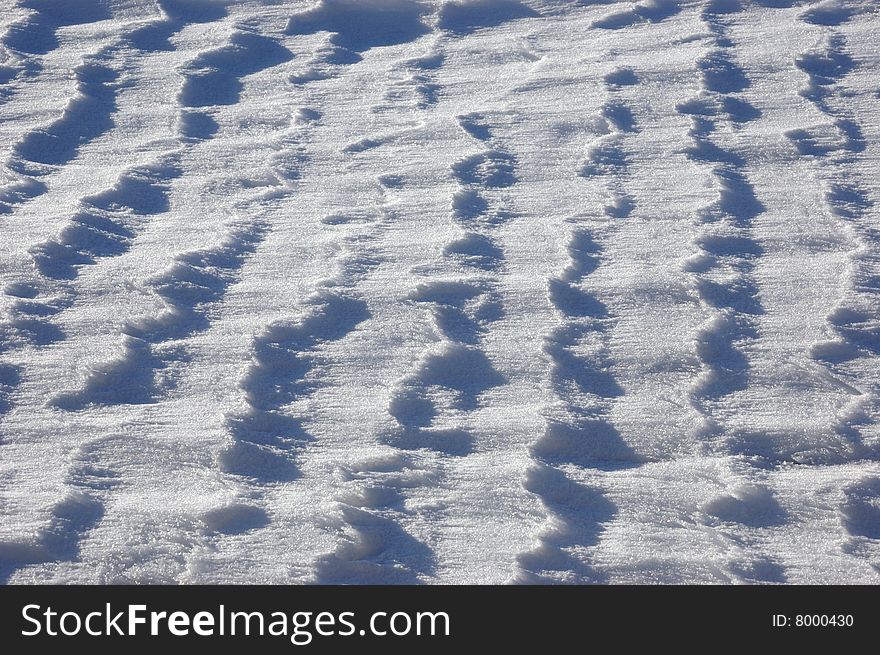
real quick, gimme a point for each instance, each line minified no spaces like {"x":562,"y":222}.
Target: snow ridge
{"x":838,"y":145}
{"x":439,"y":291}
{"x":579,"y":433}
{"x":851,"y":354}
{"x":726,"y":250}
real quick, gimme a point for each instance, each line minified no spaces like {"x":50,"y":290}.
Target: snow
{"x":439,"y":291}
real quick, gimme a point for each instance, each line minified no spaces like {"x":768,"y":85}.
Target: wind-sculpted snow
{"x":455,"y":371}
{"x":176,"y":15}
{"x":214,"y":78}
{"x":468,"y":15}
{"x":363,"y":24}
{"x":723,"y":264}
{"x":847,"y":199}
{"x":106,"y":225}
{"x":37,"y":33}
{"x":606,"y":159}
{"x":644,"y":11}
{"x":86,"y":116}
{"x":723,"y":272}
{"x":195,"y":280}
{"x":579,"y":433}
{"x":578,"y":430}
{"x":372,"y":544}
{"x":265,"y":439}
{"x":439,"y":291}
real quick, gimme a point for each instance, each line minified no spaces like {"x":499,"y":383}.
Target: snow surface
{"x":387,"y":291}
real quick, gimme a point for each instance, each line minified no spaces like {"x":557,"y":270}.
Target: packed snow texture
{"x":398,"y":291}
